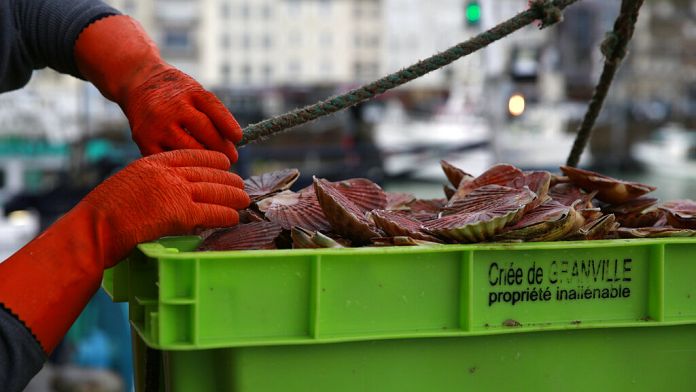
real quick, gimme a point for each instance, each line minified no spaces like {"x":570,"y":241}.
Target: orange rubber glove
{"x":166,"y":108}
{"x":47,"y":283}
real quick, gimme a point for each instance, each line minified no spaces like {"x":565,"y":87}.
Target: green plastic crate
{"x":616,"y":314}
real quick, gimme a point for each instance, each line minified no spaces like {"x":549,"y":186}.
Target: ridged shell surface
{"x":609,"y":190}
{"x":363,"y":193}
{"x":482,"y":214}
{"x":345,"y":217}
{"x":454,"y":174}
{"x":396,"y":223}
{"x":257,"y":187}
{"x":399,"y":200}
{"x":427,"y":205}
{"x":300,"y":210}
{"x":501,"y":174}
{"x":568,"y":194}
{"x":256,"y":235}
{"x":652,"y":232}
{"x":681,"y":213}
{"x":547,"y":222}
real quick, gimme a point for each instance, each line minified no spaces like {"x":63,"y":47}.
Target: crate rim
{"x":158,"y":249}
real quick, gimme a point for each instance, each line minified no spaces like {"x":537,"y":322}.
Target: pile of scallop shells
{"x":503,"y":204}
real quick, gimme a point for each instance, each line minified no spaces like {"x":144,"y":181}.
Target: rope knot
{"x":612,"y":47}
{"x":549,"y":12}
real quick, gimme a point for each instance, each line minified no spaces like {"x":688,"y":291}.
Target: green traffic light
{"x":473,"y":12}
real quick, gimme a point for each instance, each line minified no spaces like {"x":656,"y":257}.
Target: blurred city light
{"x":473,"y":12}
{"x":516,"y":105}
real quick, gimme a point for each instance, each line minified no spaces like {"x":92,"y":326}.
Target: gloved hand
{"x":47,"y":283}
{"x":166,"y":108}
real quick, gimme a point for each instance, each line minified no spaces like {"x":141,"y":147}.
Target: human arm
{"x":21,"y":356}
{"x":166,"y":108}
{"x":41,"y":33}
{"x":88,"y":39}
{"x":47,"y":283}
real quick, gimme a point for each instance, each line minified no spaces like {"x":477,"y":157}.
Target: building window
{"x":226,"y":72}
{"x":129,"y":7}
{"x":246,"y":41}
{"x":372,"y":69}
{"x":294,"y":7}
{"x":244,"y":11}
{"x":376,"y":12}
{"x":225,"y":10}
{"x":326,"y":68}
{"x":357,"y":40}
{"x":266,"y":11}
{"x":267,"y":73}
{"x":324,"y":7}
{"x":266,"y":41}
{"x":295,"y":68}
{"x":357,"y":69}
{"x":357,"y":10}
{"x":246,"y":73}
{"x":225,"y":41}
{"x":178,"y":40}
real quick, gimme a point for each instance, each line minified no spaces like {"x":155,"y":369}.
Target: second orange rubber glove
{"x":47,"y":283}
{"x":166,"y":109}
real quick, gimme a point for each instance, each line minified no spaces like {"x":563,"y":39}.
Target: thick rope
{"x":547,"y":11}
{"x":614,"y":50}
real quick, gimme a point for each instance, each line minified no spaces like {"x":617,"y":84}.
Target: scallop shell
{"x":661,"y":221}
{"x":258,"y":187}
{"x":568,"y":194}
{"x":427,"y":205}
{"x":501,"y":174}
{"x":651,"y":232}
{"x":633,"y":206}
{"x":680,"y":213}
{"x":400,"y":224}
{"x":399,"y":200}
{"x":363,"y":193}
{"x":609,"y":190}
{"x":489,"y":197}
{"x":345,"y":217}
{"x":424,"y":217}
{"x":248,"y":216}
{"x":648,"y":218}
{"x":454,"y":174}
{"x":547,"y":222}
{"x":590,"y":214}
{"x":598,"y":229}
{"x":290,"y":209}
{"x":400,"y":241}
{"x":557,"y":179}
{"x":449,"y":191}
{"x":537,"y":182}
{"x":286,"y":198}
{"x":256,"y":235}
{"x":303,"y":238}
{"x":204,"y":233}
{"x":482,"y":214}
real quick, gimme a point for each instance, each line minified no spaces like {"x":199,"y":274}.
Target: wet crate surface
{"x":605,"y":315}
{"x":617,"y":359}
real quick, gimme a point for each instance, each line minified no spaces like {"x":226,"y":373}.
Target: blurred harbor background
{"x":518,"y":101}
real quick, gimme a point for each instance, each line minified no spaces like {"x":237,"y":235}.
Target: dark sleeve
{"x":39,"y":33}
{"x":21,"y":357}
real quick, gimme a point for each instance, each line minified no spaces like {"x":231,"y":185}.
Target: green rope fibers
{"x":547,"y":11}
{"x":614,"y":49}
